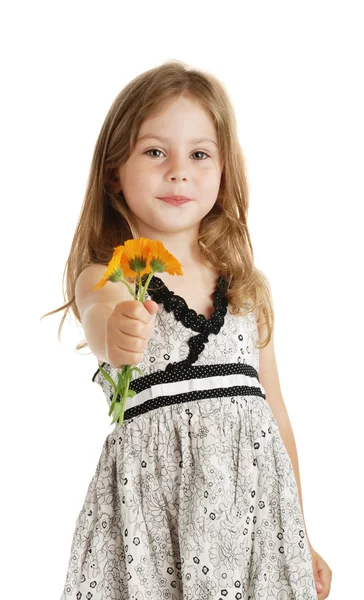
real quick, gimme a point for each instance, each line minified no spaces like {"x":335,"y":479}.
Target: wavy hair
{"x":105,"y":220}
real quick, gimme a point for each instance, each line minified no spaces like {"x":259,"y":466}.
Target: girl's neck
{"x":194,"y":274}
{"x":182,"y":245}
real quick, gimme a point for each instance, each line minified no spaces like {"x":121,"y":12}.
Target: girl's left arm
{"x":269,"y":378}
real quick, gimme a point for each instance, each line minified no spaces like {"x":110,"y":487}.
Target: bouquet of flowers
{"x":134,"y":259}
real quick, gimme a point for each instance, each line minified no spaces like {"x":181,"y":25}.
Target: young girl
{"x":195,"y":495}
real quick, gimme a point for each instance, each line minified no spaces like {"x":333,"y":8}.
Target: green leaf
{"x":123,"y":376}
{"x":111,"y":407}
{"x":121,"y":380}
{"x":108,"y":378}
{"x":114,"y":398}
{"x":117,"y":411}
{"x":137,"y":369}
{"x":131,"y":393}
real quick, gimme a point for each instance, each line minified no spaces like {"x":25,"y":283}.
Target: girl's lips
{"x":175,"y":201}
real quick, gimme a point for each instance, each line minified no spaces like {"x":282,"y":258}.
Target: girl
{"x":195,"y":495}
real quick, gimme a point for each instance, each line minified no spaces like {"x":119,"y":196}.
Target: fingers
{"x":128,"y":331}
{"x":132,"y":327}
{"x":134,"y":309}
{"x":130,"y":343}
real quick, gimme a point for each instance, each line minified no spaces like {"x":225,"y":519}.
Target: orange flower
{"x":114,"y":271}
{"x":138,"y":257}
{"x":160,"y":260}
{"x":134,"y":259}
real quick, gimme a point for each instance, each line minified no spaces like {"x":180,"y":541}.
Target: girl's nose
{"x":177,"y":169}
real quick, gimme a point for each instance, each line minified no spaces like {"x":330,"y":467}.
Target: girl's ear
{"x":112,"y":180}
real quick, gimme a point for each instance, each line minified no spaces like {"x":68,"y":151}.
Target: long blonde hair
{"x":106,"y":222}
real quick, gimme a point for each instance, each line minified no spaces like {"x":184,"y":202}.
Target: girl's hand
{"x":128,"y":330}
{"x":322,"y":574}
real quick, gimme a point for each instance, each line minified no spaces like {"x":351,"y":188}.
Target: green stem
{"x":121,"y":418}
{"x":140,"y":284}
{"x":129,"y":288}
{"x":142,"y":296}
{"x":123,"y":389}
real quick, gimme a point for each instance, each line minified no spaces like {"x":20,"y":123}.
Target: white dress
{"x":194,"y":496}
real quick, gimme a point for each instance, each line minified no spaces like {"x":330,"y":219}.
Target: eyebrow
{"x":164,"y":139}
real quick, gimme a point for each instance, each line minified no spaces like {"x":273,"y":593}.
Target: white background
{"x":294,"y":72}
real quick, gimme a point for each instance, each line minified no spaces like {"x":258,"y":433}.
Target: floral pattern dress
{"x":194,"y":496}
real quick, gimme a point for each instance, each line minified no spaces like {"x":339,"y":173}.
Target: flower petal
{"x":135,"y":257}
{"x":114,"y":270}
{"x":161,"y":260}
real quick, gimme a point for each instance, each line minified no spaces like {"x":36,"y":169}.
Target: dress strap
{"x":160,"y":293}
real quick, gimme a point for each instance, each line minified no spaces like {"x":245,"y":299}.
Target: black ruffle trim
{"x":160,"y":293}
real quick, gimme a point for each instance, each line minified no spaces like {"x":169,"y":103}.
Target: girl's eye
{"x":157,"y":150}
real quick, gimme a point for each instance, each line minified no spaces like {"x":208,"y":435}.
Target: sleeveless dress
{"x":194,"y":496}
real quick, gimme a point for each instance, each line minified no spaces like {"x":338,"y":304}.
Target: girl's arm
{"x":95,"y":306}
{"x":269,"y":378}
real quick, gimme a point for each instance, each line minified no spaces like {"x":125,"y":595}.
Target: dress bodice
{"x":180,"y":336}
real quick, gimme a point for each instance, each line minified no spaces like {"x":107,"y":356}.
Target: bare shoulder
{"x":262,"y":329}
{"x":268,"y":370}
{"x":111,"y":293}
{"x":266,"y":354}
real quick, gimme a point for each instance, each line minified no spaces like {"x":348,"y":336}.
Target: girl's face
{"x":183,"y":163}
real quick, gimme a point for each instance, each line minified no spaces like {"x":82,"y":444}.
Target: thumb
{"x":151,"y":306}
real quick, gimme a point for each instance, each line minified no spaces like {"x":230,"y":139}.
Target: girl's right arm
{"x":117,"y":327}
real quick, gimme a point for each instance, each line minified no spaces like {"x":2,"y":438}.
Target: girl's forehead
{"x":178,"y":108}
{"x":194,"y":129}
{"x":163,"y":138}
